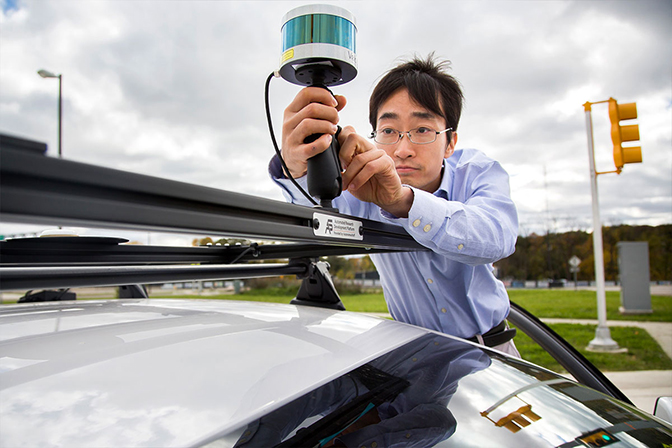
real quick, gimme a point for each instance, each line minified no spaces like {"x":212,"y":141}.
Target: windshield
{"x":409,"y":388}
{"x":437,"y":391}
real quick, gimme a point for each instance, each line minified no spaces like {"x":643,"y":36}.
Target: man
{"x":454,"y":202}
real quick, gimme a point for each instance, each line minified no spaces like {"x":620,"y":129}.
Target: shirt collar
{"x":446,"y":179}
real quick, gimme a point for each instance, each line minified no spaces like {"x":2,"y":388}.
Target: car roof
{"x":166,"y":372}
{"x":180,"y":369}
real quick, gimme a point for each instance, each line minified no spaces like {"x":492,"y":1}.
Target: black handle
{"x":324,"y":173}
{"x":324,"y":169}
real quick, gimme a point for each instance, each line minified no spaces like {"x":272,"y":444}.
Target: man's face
{"x":417,"y":165}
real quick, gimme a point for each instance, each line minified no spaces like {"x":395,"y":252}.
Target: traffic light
{"x":624,"y":133}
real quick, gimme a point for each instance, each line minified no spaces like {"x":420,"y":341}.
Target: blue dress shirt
{"x":468,"y":223}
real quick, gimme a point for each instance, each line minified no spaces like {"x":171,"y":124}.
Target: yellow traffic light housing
{"x":624,"y":133}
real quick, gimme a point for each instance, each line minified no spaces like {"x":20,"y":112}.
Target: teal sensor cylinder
{"x":318,"y":46}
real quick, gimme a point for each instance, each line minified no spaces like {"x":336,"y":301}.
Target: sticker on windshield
{"x":336,"y":227}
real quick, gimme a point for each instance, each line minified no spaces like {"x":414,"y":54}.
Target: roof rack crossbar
{"x":56,"y":252}
{"x":38,"y":189}
{"x":23,"y":278}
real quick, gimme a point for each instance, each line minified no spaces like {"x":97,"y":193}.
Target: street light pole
{"x":48,"y":74}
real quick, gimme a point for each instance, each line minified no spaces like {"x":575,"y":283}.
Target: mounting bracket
{"x":317,"y":288}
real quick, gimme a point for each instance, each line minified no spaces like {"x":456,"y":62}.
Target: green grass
{"x":582,"y":304}
{"x":644,"y":353}
{"x":362,"y":303}
{"x":565,"y":304}
{"x":540,"y":302}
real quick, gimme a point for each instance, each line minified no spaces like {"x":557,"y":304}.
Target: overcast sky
{"x":175,"y":89}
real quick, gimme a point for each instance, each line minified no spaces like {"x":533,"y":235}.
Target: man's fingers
{"x":370,"y":170}
{"x":341,"y":102}
{"x":310,"y":127}
{"x":312,"y":95}
{"x":352,"y":144}
{"x":296,"y":158}
{"x":311,"y":112}
{"x":308,"y":150}
{"x":363,"y":166}
{"x":314,"y":111}
{"x":320,"y":145}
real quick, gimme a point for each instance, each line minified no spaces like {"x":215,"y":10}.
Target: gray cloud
{"x":175,"y":89}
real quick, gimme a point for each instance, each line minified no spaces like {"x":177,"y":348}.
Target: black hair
{"x":427,"y":83}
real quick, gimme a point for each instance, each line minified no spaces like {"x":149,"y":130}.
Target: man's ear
{"x":450,"y":149}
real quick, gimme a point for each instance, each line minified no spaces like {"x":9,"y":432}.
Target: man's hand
{"x":370,"y":174}
{"x":313,"y":111}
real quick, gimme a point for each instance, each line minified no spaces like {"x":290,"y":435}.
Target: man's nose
{"x":404,"y":148}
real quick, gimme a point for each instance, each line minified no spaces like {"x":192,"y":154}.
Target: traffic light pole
{"x":602,"y":341}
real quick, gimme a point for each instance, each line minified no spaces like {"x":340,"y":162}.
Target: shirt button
{"x":416,"y":223}
{"x":430,"y":281}
{"x":443,"y":310}
{"x":460,"y":247}
{"x":427,"y":228}
{"x":408,"y":435}
{"x":414,"y":359}
{"x":374,"y":444}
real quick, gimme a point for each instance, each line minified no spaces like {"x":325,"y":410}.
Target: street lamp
{"x":48,"y":74}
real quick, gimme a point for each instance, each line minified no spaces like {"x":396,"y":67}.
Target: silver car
{"x":228,"y":373}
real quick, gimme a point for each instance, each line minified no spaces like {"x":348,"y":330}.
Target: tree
{"x":541,"y":257}
{"x":201,"y":242}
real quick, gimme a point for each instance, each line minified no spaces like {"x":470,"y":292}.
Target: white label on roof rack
{"x":336,"y":227}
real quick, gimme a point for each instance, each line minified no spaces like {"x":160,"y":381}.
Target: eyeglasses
{"x":419,"y":136}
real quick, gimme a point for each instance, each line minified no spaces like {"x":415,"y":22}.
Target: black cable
{"x":252,"y":247}
{"x":275,"y":143}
